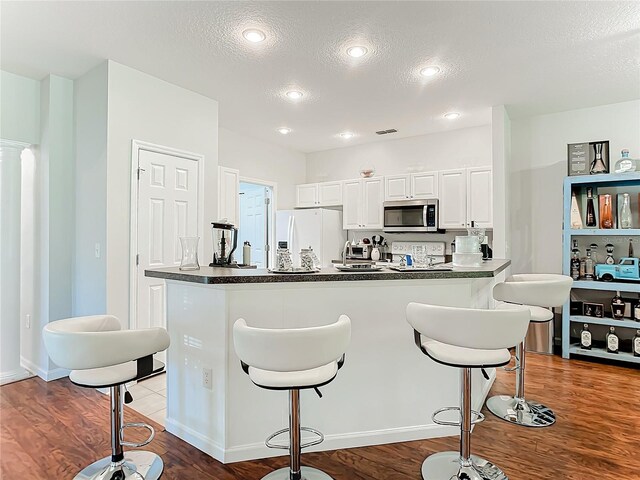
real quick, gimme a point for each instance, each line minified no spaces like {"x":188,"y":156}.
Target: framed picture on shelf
{"x":593,"y":310}
{"x":588,"y":158}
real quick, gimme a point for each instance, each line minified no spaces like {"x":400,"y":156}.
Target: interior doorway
{"x":256,"y":221}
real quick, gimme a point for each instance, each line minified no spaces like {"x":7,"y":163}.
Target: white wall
{"x":20,"y":108}
{"x":539,"y":165}
{"x":264,"y":161}
{"x":466,"y":147}
{"x":145,"y":108}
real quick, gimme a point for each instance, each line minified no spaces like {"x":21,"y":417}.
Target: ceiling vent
{"x":385,"y":132}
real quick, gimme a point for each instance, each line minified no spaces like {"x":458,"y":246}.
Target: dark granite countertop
{"x":210,"y":275}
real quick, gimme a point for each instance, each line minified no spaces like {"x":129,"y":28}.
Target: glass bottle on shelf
{"x":636,"y":311}
{"x":609,"y":260}
{"x":636,"y":344}
{"x":617,"y":307}
{"x":588,"y":266}
{"x":576,"y":218}
{"x":625,"y":212}
{"x":613,"y":341}
{"x":598,"y":166}
{"x":575,"y":261}
{"x":591,"y":209}
{"x":594,"y":253}
{"x":606,"y":215}
{"x":625,"y":164}
{"x":585,"y":338}
{"x":631,"y":247}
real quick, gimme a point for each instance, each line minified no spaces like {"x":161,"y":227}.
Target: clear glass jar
{"x":189,"y":259}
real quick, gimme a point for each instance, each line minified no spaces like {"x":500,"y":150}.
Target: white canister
{"x":246,"y":253}
{"x":375,"y":254}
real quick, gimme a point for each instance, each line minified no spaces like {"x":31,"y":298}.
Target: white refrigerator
{"x":318,"y":228}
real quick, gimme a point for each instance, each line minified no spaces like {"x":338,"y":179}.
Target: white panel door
{"x":424,"y":185}
{"x":352,"y":204}
{"x":453,"y":199}
{"x":396,"y":187}
{"x":228,"y":193}
{"x":167,"y":209}
{"x":372,"y":208}
{"x":330,"y":194}
{"x":252,"y":227}
{"x":480,"y":197}
{"x":307,"y":195}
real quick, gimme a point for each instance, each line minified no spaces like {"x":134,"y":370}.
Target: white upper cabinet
{"x":228,"y":194}
{"x":330,"y":194}
{"x":424,"y":185}
{"x":307,"y":195}
{"x":480,"y":197}
{"x":453,"y":199}
{"x":326,"y":194}
{"x":414,"y":185}
{"x":396,"y":187}
{"x":362,"y":207}
{"x":466,"y":196}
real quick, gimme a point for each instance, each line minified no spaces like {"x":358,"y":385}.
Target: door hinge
{"x":140,"y":169}
{"x":267,"y":201}
{"x":137,"y":259}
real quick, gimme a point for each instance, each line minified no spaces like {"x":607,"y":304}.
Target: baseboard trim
{"x":198,"y":440}
{"x":14,"y":376}
{"x":46,"y":375}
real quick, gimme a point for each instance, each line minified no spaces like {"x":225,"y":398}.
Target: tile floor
{"x":150,"y":397}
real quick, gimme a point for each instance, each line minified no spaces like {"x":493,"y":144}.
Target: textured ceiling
{"x":534,"y":57}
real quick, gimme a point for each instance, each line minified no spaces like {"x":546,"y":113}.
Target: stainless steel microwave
{"x":405,"y":216}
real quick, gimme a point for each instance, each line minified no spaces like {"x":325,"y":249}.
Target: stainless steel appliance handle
{"x":424,"y":215}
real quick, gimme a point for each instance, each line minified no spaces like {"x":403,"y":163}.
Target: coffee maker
{"x":225,"y":242}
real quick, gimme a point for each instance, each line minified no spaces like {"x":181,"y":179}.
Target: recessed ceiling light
{"x":430,"y":71}
{"x":451,"y":115}
{"x":357,"y":52}
{"x":346,"y":135}
{"x":254,"y":35}
{"x":294,"y":94}
{"x":284,"y":130}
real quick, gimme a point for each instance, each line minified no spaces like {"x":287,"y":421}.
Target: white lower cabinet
{"x":466,"y":196}
{"x":362,"y":204}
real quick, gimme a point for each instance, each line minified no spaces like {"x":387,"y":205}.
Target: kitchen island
{"x":386,"y":391}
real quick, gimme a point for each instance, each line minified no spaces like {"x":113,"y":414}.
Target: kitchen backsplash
{"x":447,"y":237}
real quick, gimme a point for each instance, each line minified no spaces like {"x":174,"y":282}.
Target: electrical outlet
{"x":27,"y":321}
{"x":207,"y":381}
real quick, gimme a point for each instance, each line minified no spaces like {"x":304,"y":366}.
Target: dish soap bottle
{"x":612,"y":341}
{"x":585,"y":338}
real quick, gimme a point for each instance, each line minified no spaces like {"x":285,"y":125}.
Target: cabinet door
{"x":396,"y":187}
{"x":453,"y":199}
{"x":424,"y":185}
{"x":307,"y":195}
{"x":372,"y":198}
{"x":228,"y":194}
{"x":480,"y":197}
{"x":330,"y":194}
{"x":352,"y":203}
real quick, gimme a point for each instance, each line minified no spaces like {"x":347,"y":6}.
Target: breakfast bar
{"x":385,"y":392}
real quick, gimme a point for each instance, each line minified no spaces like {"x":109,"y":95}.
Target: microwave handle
{"x":424,"y":216}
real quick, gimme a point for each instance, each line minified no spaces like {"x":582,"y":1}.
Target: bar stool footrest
{"x":152,"y":434}
{"x":268,"y":442}
{"x":476,"y":417}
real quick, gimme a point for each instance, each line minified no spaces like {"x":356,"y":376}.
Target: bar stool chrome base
{"x":448,"y":466}
{"x":308,"y":473}
{"x":137,"y":465}
{"x":521,"y":412}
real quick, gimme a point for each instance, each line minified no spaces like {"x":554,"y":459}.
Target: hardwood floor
{"x":52,"y":430}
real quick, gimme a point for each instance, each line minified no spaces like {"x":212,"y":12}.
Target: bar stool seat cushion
{"x":111,"y":376}
{"x":455,"y":356}
{"x":538,"y":314}
{"x":314,"y":377}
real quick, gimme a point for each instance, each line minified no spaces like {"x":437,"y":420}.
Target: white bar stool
{"x":100,"y":355}
{"x":293,"y":359}
{"x":537,"y":292}
{"x":465,"y":338}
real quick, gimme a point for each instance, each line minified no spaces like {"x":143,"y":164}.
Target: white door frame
{"x":272,"y":220}
{"x":136,"y":147}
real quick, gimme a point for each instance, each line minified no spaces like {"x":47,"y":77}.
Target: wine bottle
{"x":576,"y":218}
{"x":617,"y":307}
{"x":636,"y":344}
{"x":591,"y":210}
{"x":585,"y":338}
{"x":575,"y":264}
{"x":588,"y":266}
{"x":606,"y":215}
{"x":625,"y":212}
{"x":612,"y":341}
